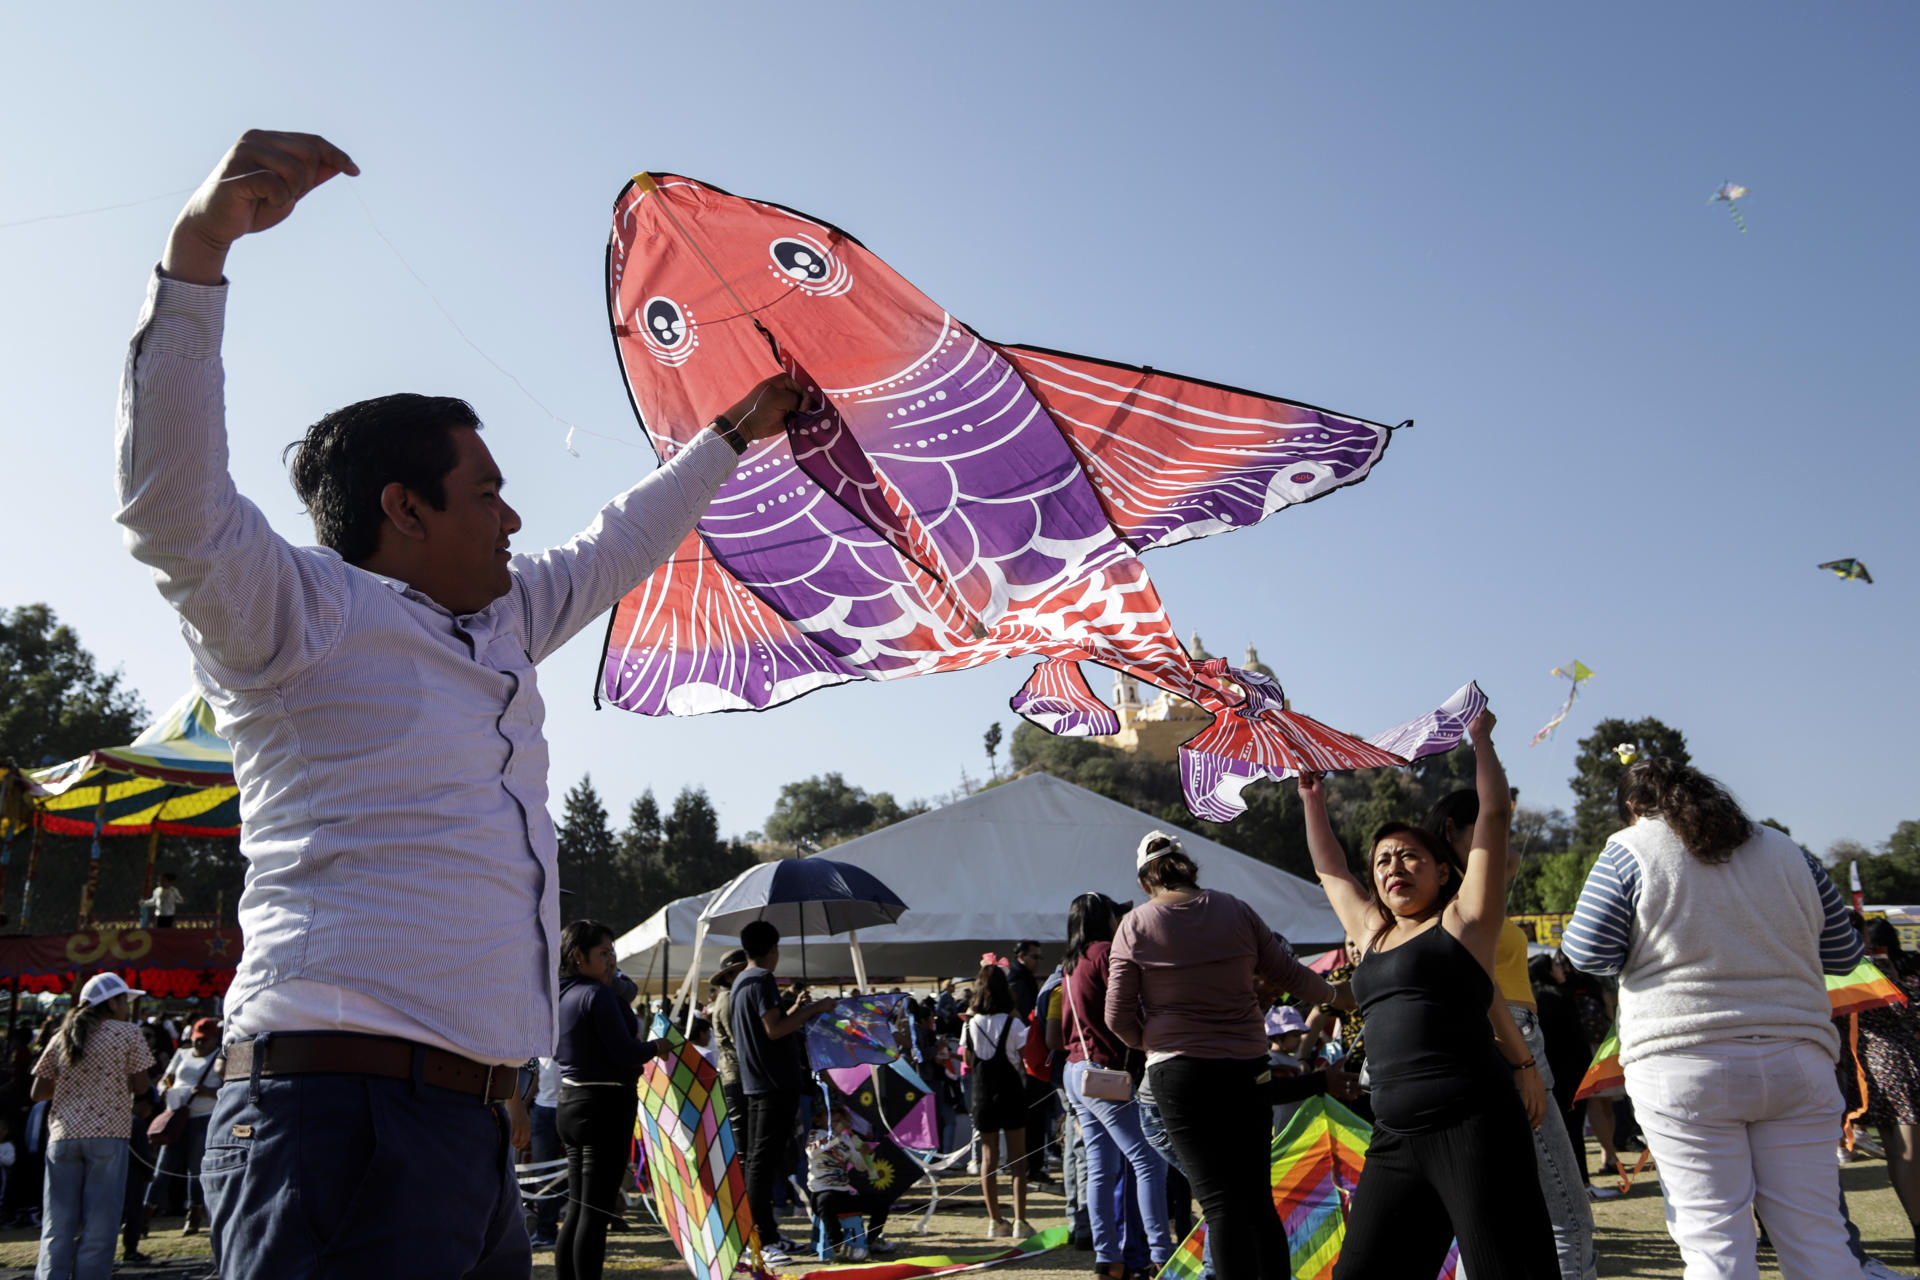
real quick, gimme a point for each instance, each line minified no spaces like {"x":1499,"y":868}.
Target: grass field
{"x":1632,"y":1234}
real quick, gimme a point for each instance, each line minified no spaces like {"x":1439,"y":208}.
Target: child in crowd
{"x":832,"y":1153}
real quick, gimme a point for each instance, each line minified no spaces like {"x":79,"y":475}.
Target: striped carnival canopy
{"x":175,"y":779}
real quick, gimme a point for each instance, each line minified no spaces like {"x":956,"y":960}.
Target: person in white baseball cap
{"x":102,"y":987}
{"x":89,"y":1073}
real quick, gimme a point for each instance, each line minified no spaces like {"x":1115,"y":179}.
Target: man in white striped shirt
{"x":401,"y":908}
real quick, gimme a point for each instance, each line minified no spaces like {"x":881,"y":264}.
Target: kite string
{"x":508,"y":374}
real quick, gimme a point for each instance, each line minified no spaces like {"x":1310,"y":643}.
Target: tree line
{"x":56,"y":703}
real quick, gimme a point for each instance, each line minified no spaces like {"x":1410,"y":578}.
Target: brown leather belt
{"x":312,"y":1054}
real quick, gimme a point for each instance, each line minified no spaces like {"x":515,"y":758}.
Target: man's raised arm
{"x":254,"y":606}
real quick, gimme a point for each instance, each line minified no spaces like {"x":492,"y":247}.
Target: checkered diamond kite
{"x":698,"y":1185}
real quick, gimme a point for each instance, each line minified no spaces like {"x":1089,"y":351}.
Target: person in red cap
{"x":90,"y":1072}
{"x":191,"y":1083}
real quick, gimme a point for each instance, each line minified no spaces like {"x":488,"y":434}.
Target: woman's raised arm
{"x":1351,"y":902}
{"x":1481,"y":905}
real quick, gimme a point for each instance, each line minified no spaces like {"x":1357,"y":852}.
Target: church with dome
{"x":1154,"y":729}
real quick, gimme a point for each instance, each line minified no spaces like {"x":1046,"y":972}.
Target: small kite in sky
{"x":1730,"y":192}
{"x":1579,"y":674}
{"x":944,"y":500}
{"x":1850,"y":569}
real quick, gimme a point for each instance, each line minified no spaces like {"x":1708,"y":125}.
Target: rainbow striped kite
{"x":1317,"y":1160}
{"x":699,"y":1188}
{"x":1860,"y":988}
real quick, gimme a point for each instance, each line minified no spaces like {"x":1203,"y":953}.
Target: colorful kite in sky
{"x":856,"y":1031}
{"x":699,"y":1187}
{"x":1730,"y":192}
{"x":946,"y":500}
{"x":1579,"y":674}
{"x":1850,"y":570}
{"x":1317,"y":1159}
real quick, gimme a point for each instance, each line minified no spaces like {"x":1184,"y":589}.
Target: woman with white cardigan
{"x":1720,"y":930}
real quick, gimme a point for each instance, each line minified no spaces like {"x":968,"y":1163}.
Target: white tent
{"x":980,"y":875}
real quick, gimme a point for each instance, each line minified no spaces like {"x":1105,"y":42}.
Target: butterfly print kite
{"x":944,"y":500}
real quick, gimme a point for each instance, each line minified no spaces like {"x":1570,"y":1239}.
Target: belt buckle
{"x":486,"y":1084}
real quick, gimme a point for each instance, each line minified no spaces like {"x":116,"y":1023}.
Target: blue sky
{"x":1637,"y":429}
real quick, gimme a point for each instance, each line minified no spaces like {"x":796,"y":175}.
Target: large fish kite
{"x":944,"y":501}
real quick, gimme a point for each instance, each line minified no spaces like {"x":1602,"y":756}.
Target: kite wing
{"x":699,"y":1186}
{"x":1849,"y":569}
{"x":1178,"y":458}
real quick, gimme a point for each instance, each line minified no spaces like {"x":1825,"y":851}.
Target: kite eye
{"x":806,"y":263}
{"x":665,"y":324}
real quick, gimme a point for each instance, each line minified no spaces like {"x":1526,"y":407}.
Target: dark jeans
{"x":769,"y":1132}
{"x":547,"y":1146}
{"x":829,"y":1205}
{"x":133,"y":1216}
{"x":353,"y":1176}
{"x":1222,"y":1130}
{"x":179,"y":1162}
{"x":736,"y":1097}
{"x":1039,"y":1114}
{"x":1474,"y":1180}
{"x":596,"y":1127}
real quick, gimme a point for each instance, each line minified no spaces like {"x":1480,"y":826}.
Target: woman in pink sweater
{"x":1180,"y":986}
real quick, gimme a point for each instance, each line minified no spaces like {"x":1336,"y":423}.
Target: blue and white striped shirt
{"x":1597,"y":938}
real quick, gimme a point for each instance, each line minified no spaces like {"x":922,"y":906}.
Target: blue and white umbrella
{"x":800,"y":897}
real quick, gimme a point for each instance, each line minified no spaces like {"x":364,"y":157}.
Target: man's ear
{"x":402,"y":508}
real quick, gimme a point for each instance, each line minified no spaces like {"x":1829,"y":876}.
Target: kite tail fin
{"x":1056,"y":697}
{"x":1263,"y":740}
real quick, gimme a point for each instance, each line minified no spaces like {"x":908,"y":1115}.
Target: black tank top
{"x":1431,"y":1058}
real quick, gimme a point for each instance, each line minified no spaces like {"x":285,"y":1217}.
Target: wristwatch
{"x":730,"y":433}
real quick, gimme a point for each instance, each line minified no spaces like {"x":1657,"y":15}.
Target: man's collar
{"x":396,"y":584}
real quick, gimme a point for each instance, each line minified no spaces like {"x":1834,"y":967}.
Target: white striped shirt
{"x":390,"y":759}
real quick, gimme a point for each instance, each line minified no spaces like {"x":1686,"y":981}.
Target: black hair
{"x":1461,"y":808}
{"x":1709,"y":821}
{"x":1173,"y":870}
{"x":1023,"y":946}
{"x":991,"y":994}
{"x":1540,"y":969}
{"x":758,"y":937}
{"x":1881,"y":933}
{"x":1090,"y":919}
{"x":579,"y":938}
{"x":348,"y":458}
{"x":1437,"y":848}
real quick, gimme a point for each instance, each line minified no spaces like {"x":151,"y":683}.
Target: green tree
{"x":586,"y":859}
{"x":993,"y":749}
{"x":55,"y":703}
{"x":1597,"y":771}
{"x":826,"y":810}
{"x":638,"y":858}
{"x":1891,"y":876}
{"x":693,"y":855}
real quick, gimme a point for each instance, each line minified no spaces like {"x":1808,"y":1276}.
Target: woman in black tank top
{"x":1452,"y":1156}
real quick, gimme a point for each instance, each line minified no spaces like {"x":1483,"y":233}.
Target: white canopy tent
{"x":983,"y":873}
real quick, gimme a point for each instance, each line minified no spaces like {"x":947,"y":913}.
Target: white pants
{"x":1740,"y":1125}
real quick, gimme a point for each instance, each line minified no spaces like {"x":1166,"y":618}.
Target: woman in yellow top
{"x":1562,"y":1183}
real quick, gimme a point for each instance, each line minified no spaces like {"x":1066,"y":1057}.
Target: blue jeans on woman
{"x":86,"y":1185}
{"x":1115,"y":1142}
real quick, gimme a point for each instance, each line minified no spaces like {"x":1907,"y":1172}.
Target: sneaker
{"x":999,"y":1229}
{"x":857,"y":1253}
{"x":135,"y":1258}
{"x":1874,"y":1269}
{"x":774,"y":1253}
{"x":1022,"y":1229}
{"x":543,"y":1239}
{"x":880,"y":1246}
